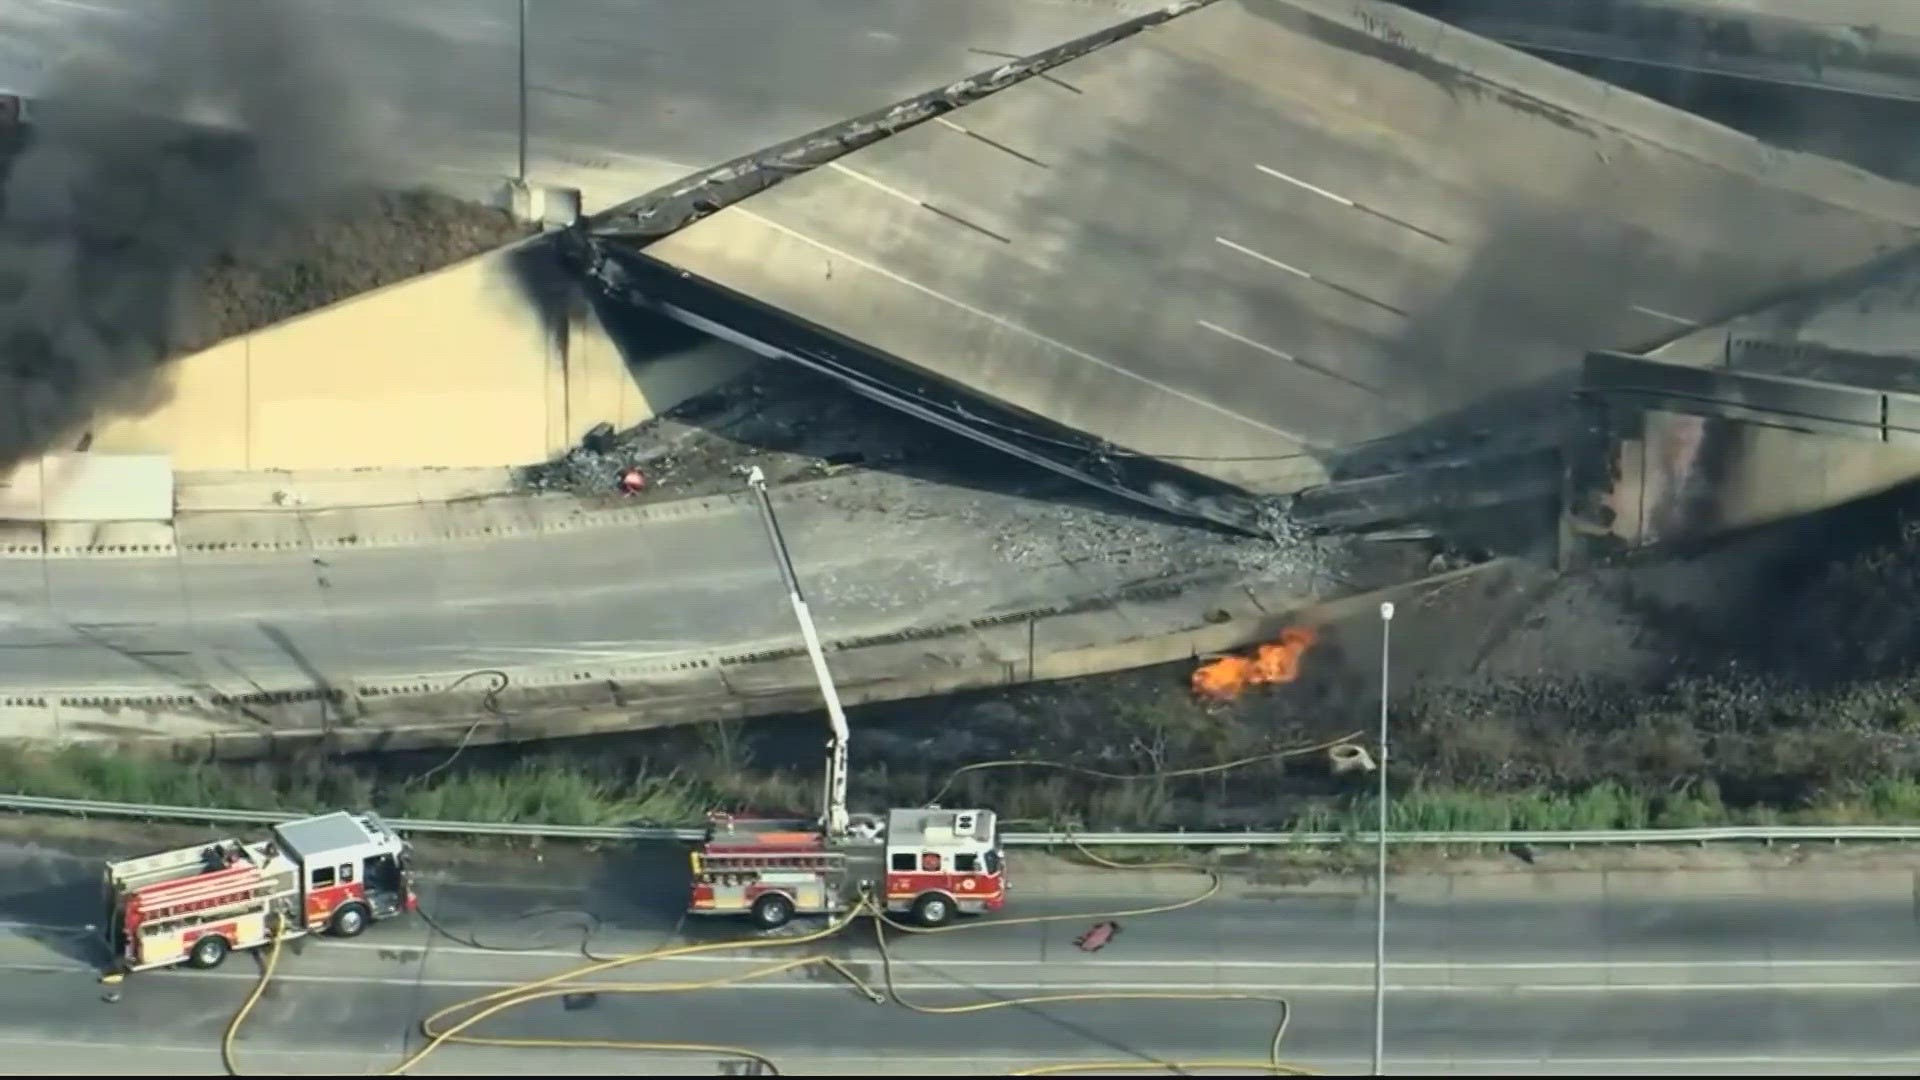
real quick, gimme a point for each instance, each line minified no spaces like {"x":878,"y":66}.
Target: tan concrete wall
{"x":1665,"y":489}
{"x":67,"y":487}
{"x":1777,"y":474}
{"x":457,"y":368}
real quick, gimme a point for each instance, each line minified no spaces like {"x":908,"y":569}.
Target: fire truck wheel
{"x":208,"y":952}
{"x":771,"y":911}
{"x":933,"y":910}
{"x":349,"y":921}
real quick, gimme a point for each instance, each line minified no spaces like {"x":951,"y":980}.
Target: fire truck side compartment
{"x":161,"y":905}
{"x":918,"y":852}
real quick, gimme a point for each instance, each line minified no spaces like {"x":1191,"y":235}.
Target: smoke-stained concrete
{"x":1800,"y":406}
{"x":1388,"y":242}
{"x":1833,"y":77}
{"x":622,"y":95}
{"x":111,"y":218}
{"x":132,"y":239}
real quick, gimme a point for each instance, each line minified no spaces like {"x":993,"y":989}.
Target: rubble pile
{"x":797,"y":425}
{"x":791,"y":423}
{"x":594,"y":467}
{"x":1802,"y":684}
{"x":1045,"y":533}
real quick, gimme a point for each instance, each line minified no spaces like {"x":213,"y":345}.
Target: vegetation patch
{"x":557,"y":793}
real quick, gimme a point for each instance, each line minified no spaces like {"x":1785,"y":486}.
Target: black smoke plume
{"x":163,"y":148}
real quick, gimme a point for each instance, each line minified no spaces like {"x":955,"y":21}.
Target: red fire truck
{"x":928,"y":863}
{"x":194,"y":905}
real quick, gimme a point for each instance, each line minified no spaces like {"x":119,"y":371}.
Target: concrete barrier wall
{"x":479,"y":364}
{"x":89,"y":487}
{"x":437,"y":711}
{"x":1675,"y":477}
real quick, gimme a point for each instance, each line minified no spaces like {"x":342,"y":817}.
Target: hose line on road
{"x":278,"y":925}
{"x":1159,"y":774}
{"x":441,"y":1029}
{"x":440,"y":1033}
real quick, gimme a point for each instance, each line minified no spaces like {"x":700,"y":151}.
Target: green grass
{"x":555,"y":794}
{"x":532,"y":793}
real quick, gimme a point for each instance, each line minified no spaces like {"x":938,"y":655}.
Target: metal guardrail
{"x":1753,"y":834}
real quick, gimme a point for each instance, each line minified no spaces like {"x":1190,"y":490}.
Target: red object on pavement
{"x":1097,"y":938}
{"x":632,"y":482}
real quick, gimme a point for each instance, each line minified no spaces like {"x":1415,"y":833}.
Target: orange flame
{"x":1273,"y":663}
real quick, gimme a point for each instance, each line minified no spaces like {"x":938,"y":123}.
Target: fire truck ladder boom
{"x":834,"y":820}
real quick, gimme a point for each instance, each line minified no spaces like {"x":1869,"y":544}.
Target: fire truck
{"x":334,"y":873}
{"x":928,"y":863}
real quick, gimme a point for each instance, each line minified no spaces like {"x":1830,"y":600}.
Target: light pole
{"x":521,"y":165}
{"x":1380,"y":848}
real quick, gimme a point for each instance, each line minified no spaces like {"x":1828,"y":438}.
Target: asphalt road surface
{"x":623,"y":95}
{"x":1796,"y":980}
{"x":917,"y":555}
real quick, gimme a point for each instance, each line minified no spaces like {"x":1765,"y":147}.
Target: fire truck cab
{"x":930,"y":864}
{"x":194,"y":905}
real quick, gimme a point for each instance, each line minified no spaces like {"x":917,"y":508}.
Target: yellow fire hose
{"x":440,"y":1032}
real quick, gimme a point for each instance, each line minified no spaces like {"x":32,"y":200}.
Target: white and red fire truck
{"x":928,"y":863}
{"x":334,"y":873}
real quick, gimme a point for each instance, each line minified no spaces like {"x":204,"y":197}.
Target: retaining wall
{"x":498,"y":360}
{"x":1165,"y":622}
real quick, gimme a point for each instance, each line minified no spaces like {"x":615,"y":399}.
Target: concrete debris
{"x":1035,"y":534}
{"x":792,"y":424}
{"x":796,"y":425}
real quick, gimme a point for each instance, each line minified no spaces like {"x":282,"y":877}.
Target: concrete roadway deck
{"x":1390,"y":226}
{"x":1553,"y":973}
{"x":1858,"y":47}
{"x":624,"y":95}
{"x":878,"y":555}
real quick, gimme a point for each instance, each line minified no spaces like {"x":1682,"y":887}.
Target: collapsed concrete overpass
{"x":1839,"y":78}
{"x":1802,"y":406}
{"x":1865,"y":48}
{"x":1384,"y":253}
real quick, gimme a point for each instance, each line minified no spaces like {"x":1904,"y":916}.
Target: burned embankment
{"x":1763,"y":681}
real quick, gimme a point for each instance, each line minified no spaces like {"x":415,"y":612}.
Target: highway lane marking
{"x":436,"y":948}
{"x":1055,"y":987}
{"x":1344,"y":290}
{"x":1268,"y":259}
{"x":1256,"y":965}
{"x":876,"y":184}
{"x":1349,"y":203}
{"x":1663,"y":315}
{"x":999,"y":320}
{"x":1405,"y":1061}
{"x":1289,"y":358}
{"x":1316,"y":189}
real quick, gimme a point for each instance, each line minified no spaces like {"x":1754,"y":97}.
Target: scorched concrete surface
{"x":691,"y":588}
{"x":623,"y":95}
{"x":1868,"y":48}
{"x":1566,"y":973}
{"x":1799,"y":406}
{"x":1257,"y":240}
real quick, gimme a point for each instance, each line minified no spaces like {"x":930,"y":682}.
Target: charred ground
{"x":1772,"y":672}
